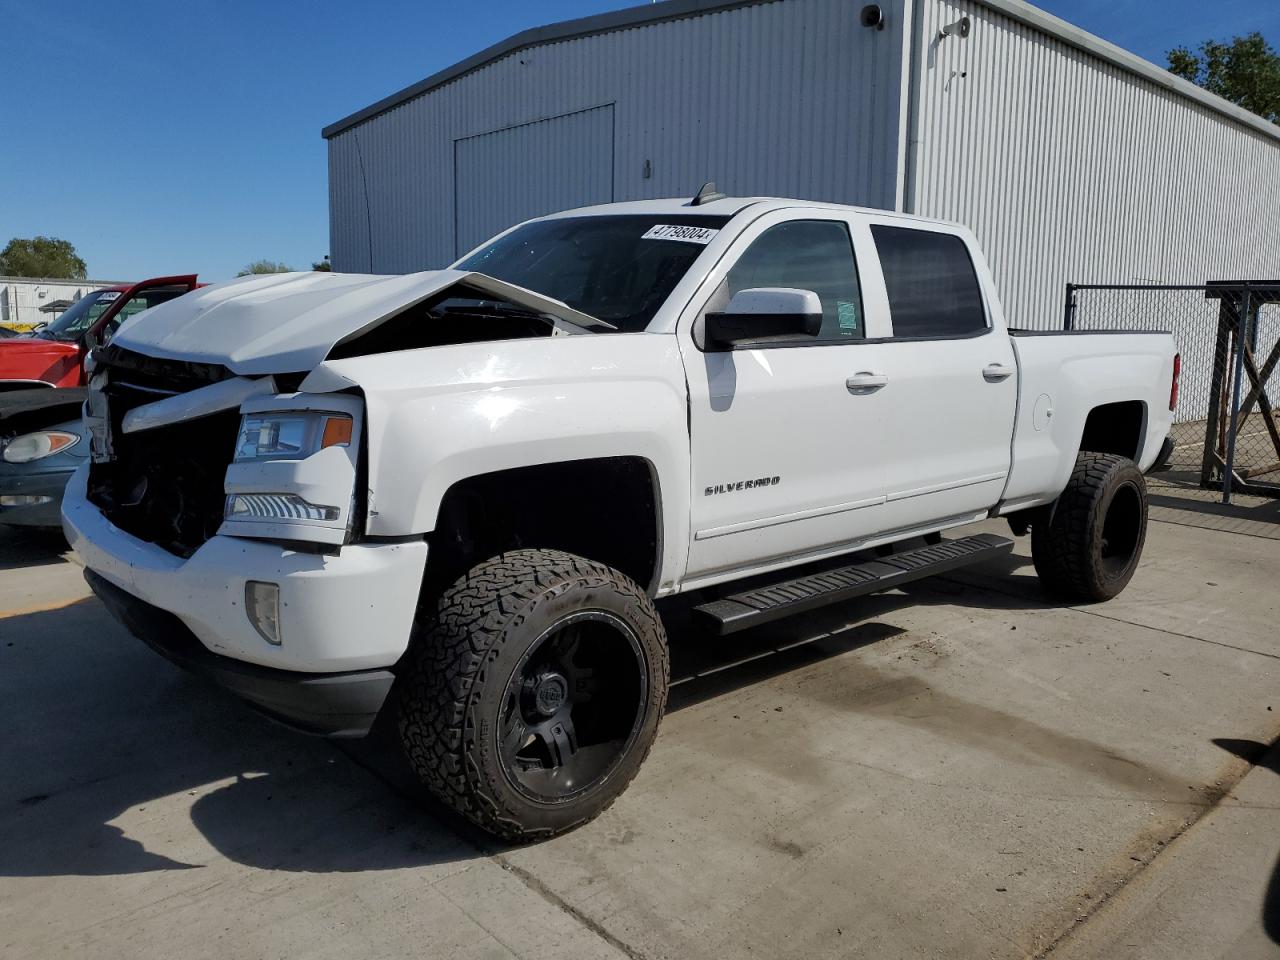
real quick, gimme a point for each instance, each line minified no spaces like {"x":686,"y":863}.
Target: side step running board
{"x":754,"y":607}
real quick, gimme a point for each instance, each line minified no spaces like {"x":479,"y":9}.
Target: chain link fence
{"x":1226,"y":429}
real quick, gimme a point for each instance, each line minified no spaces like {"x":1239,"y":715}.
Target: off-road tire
{"x":462,"y":658}
{"x":1071,"y":548}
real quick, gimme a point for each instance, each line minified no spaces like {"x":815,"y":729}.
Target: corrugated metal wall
{"x":526,"y":171}
{"x":1072,"y":169}
{"x":791,"y":98}
{"x":22,"y":297}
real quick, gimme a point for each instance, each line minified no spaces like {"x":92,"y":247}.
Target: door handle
{"x":995,"y":372}
{"x":864,"y":381}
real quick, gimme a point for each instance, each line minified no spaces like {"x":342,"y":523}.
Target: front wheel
{"x":1089,"y":547}
{"x":534,"y":693}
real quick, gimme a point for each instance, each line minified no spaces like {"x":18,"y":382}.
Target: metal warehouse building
{"x":1072,"y":160}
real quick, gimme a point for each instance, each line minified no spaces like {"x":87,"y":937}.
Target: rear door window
{"x":932,"y":286}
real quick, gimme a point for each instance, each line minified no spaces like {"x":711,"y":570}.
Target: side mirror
{"x":764,"y":314}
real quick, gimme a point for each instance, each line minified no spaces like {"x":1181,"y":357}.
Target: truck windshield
{"x":80,"y":316}
{"x":615,"y":268}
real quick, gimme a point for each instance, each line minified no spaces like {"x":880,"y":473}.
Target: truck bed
{"x":1065,"y":374}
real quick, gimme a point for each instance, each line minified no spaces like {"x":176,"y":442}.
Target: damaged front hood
{"x":288,"y":322}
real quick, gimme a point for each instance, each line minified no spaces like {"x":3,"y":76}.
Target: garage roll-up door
{"x":509,"y":175}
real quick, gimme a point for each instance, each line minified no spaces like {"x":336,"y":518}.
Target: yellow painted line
{"x":42,"y":607}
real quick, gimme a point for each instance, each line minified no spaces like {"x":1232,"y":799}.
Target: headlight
{"x":290,"y":436}
{"x":37,"y":446}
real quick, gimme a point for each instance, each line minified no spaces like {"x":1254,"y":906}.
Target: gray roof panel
{"x":565,"y":30}
{"x":680,"y":9}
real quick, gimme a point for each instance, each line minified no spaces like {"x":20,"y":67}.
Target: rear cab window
{"x":931,"y":283}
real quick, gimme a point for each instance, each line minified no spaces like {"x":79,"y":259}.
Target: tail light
{"x":1177,"y":372}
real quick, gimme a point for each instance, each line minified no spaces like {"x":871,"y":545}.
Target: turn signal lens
{"x":1177,"y":373}
{"x":337,"y":432}
{"x":37,"y":446}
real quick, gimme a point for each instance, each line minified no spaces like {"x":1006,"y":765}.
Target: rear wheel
{"x":1090,"y":545}
{"x":534,"y":693}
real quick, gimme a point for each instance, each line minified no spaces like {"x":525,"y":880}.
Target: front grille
{"x":163,"y":485}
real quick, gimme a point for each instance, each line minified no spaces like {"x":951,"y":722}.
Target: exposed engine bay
{"x":162,"y":485}
{"x":453,"y":317}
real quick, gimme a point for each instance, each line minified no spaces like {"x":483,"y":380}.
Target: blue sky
{"x":164,"y":137}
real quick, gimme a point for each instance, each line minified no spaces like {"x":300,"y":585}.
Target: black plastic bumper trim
{"x":326,"y":704}
{"x":1166,"y":452}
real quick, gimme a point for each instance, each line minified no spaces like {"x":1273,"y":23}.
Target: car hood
{"x":22,"y":410}
{"x":288,"y":322}
{"x":29,"y":358}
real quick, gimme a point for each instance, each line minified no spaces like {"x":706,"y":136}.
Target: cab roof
{"x":724,"y":207}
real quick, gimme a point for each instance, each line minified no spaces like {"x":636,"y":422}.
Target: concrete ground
{"x":959,"y":769}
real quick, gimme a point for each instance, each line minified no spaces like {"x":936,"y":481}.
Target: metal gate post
{"x":1069,"y":311}
{"x":1217,"y":390}
{"x":1228,"y":473}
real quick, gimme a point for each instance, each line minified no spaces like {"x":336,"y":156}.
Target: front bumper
{"x":351,"y":610}
{"x":333,"y":704}
{"x":44,"y":485}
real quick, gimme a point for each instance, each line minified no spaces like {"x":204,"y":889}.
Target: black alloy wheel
{"x":573,"y":706}
{"x":1122,"y":528}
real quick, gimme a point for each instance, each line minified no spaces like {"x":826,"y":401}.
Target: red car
{"x":54,"y":355}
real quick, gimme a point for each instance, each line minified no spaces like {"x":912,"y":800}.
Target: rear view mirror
{"x":764,"y":314}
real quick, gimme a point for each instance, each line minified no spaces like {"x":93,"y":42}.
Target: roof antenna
{"x":707,"y":193}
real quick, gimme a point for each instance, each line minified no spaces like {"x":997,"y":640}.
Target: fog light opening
{"x":262,"y":605}
{"x":14,"y":500}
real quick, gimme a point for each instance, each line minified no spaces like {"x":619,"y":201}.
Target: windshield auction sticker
{"x":666,"y":231}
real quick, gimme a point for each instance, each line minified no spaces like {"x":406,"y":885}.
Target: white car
{"x":461,"y":496}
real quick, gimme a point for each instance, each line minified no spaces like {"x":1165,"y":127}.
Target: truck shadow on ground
{"x":20,"y":547}
{"x":107,"y":743}
{"x":107,"y":748}
{"x":1267,"y":757}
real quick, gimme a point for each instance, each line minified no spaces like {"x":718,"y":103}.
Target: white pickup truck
{"x":461,"y":496}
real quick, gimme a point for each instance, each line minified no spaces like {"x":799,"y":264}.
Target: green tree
{"x":322,"y":266}
{"x":1245,"y":71}
{"x":265,"y":266}
{"x":41,"y":257}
